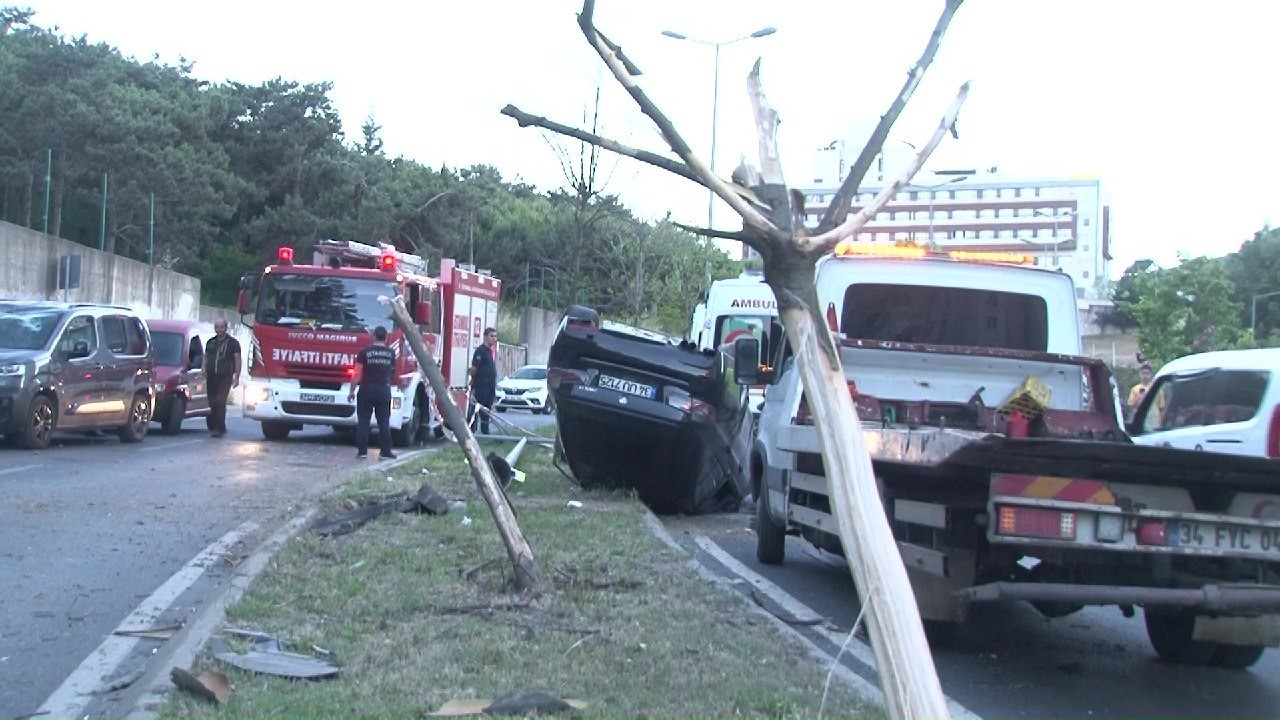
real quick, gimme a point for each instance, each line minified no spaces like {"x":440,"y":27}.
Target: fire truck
{"x":310,"y":320}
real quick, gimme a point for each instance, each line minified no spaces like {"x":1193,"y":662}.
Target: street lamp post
{"x":1055,"y":217}
{"x":959,"y":175}
{"x":715,"y":109}
{"x":1253,"y":315}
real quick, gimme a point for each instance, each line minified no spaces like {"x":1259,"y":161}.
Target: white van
{"x":1226,"y":401}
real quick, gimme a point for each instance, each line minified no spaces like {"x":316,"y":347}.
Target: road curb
{"x":196,"y":635}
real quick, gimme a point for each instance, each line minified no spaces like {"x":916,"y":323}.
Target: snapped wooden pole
{"x":527,"y":573}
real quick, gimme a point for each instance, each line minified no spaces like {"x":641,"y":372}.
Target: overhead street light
{"x":957,"y":176}
{"x":715,"y":106}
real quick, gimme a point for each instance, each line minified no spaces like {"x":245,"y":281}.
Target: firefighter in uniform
{"x":484,"y":377}
{"x":374,"y":367}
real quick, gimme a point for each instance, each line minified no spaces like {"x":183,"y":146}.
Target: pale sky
{"x":1171,"y":104}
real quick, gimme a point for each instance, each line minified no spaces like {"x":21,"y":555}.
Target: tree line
{"x":1203,"y":303}
{"x":221,"y":174}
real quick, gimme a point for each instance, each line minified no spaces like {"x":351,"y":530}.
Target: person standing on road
{"x":484,"y":377}
{"x":374,"y":366}
{"x":222,"y":372}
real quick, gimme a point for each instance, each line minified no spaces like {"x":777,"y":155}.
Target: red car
{"x":181,"y":391}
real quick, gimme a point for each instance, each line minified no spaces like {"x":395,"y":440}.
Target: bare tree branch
{"x":826,"y":241}
{"x":713,"y":233}
{"x":766,"y":129}
{"x":839,"y":207}
{"x":525,"y":120}
{"x":708,"y":179}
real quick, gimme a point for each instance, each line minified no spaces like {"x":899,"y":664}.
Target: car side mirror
{"x":746,"y":361}
{"x":422,"y":313}
{"x":79,"y":349}
{"x":242,"y":301}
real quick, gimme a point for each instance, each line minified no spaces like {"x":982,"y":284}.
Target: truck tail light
{"x":1273,"y":434}
{"x":1036,"y":522}
{"x":557,"y":375}
{"x":1152,"y":532}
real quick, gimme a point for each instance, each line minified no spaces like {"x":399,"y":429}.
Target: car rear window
{"x":946,"y":316}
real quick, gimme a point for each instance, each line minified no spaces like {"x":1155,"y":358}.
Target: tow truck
{"x":1004,"y":466}
{"x":310,"y":319}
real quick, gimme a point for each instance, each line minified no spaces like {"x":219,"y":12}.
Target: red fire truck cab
{"x":310,"y":320}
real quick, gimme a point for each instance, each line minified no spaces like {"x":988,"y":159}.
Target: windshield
{"x":530,"y":373}
{"x":326,"y":303}
{"x":27,"y":329}
{"x":170,"y":348}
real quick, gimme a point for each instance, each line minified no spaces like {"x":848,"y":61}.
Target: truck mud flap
{"x":1210,"y":598}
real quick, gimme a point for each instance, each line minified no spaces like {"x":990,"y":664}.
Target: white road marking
{"x":20,"y":468}
{"x":169,"y":446}
{"x":858,"y":649}
{"x":77,"y":691}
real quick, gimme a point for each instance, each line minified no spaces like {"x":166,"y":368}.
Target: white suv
{"x":524,"y":389}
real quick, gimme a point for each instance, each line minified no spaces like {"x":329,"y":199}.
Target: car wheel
{"x":172,"y":424}
{"x":771,"y":539}
{"x":500,"y":409}
{"x":546,"y":410}
{"x":40,"y":424}
{"x":139,"y":420}
{"x":407,"y":432}
{"x":275,"y":431}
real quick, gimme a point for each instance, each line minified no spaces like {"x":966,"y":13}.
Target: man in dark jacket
{"x":222,"y":372}
{"x":375,"y":366}
{"x":484,"y":377}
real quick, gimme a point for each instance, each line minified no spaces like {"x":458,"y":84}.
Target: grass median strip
{"x":417,"y":610}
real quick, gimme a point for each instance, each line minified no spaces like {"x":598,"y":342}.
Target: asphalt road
{"x":1009,"y":661}
{"x":90,"y":527}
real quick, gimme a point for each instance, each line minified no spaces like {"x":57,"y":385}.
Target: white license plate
{"x":1219,"y":536}
{"x":627,"y":386}
{"x":315,"y":397}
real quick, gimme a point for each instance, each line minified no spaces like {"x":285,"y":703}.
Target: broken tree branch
{"x":711,"y":233}
{"x":749,"y":214}
{"x":843,"y":199}
{"x":525,"y":119}
{"x":826,"y":241}
{"x":766,"y":129}
{"x":528,"y":575}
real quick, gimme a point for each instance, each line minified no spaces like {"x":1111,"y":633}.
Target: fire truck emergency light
{"x":389,"y":263}
{"x":285,"y":256}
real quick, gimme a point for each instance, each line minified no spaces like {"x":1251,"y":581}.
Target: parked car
{"x":643,"y":411}
{"x":73,"y":367}
{"x":1226,"y":401}
{"x":524,"y":389}
{"x":181,"y":388}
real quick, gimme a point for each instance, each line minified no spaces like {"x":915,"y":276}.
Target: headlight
{"x":258,"y":394}
{"x":9,"y":371}
{"x":159,"y":388}
{"x":395,"y":403}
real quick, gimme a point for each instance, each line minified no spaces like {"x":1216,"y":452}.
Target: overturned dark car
{"x":643,"y":411}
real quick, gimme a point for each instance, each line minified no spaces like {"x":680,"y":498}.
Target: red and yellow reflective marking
{"x":1043,"y":487}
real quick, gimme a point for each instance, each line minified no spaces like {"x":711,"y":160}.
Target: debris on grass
{"x":269,"y":657}
{"x":211,"y":685}
{"x":120,"y":682}
{"x":520,"y":704}
{"x":426,"y":500}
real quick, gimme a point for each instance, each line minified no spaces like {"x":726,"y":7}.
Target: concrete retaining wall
{"x":537,"y":332}
{"x":29,"y":271}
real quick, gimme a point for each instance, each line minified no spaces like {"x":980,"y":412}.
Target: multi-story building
{"x":1062,"y":223}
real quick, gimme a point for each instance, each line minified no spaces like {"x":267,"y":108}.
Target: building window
{"x":1084,"y":248}
{"x":1086,"y":274}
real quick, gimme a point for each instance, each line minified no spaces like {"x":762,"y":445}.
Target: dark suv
{"x":73,"y":367}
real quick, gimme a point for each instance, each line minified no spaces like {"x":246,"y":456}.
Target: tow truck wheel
{"x":275,"y":430}
{"x":771,"y":540}
{"x":1236,"y":657}
{"x":1171,"y":635}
